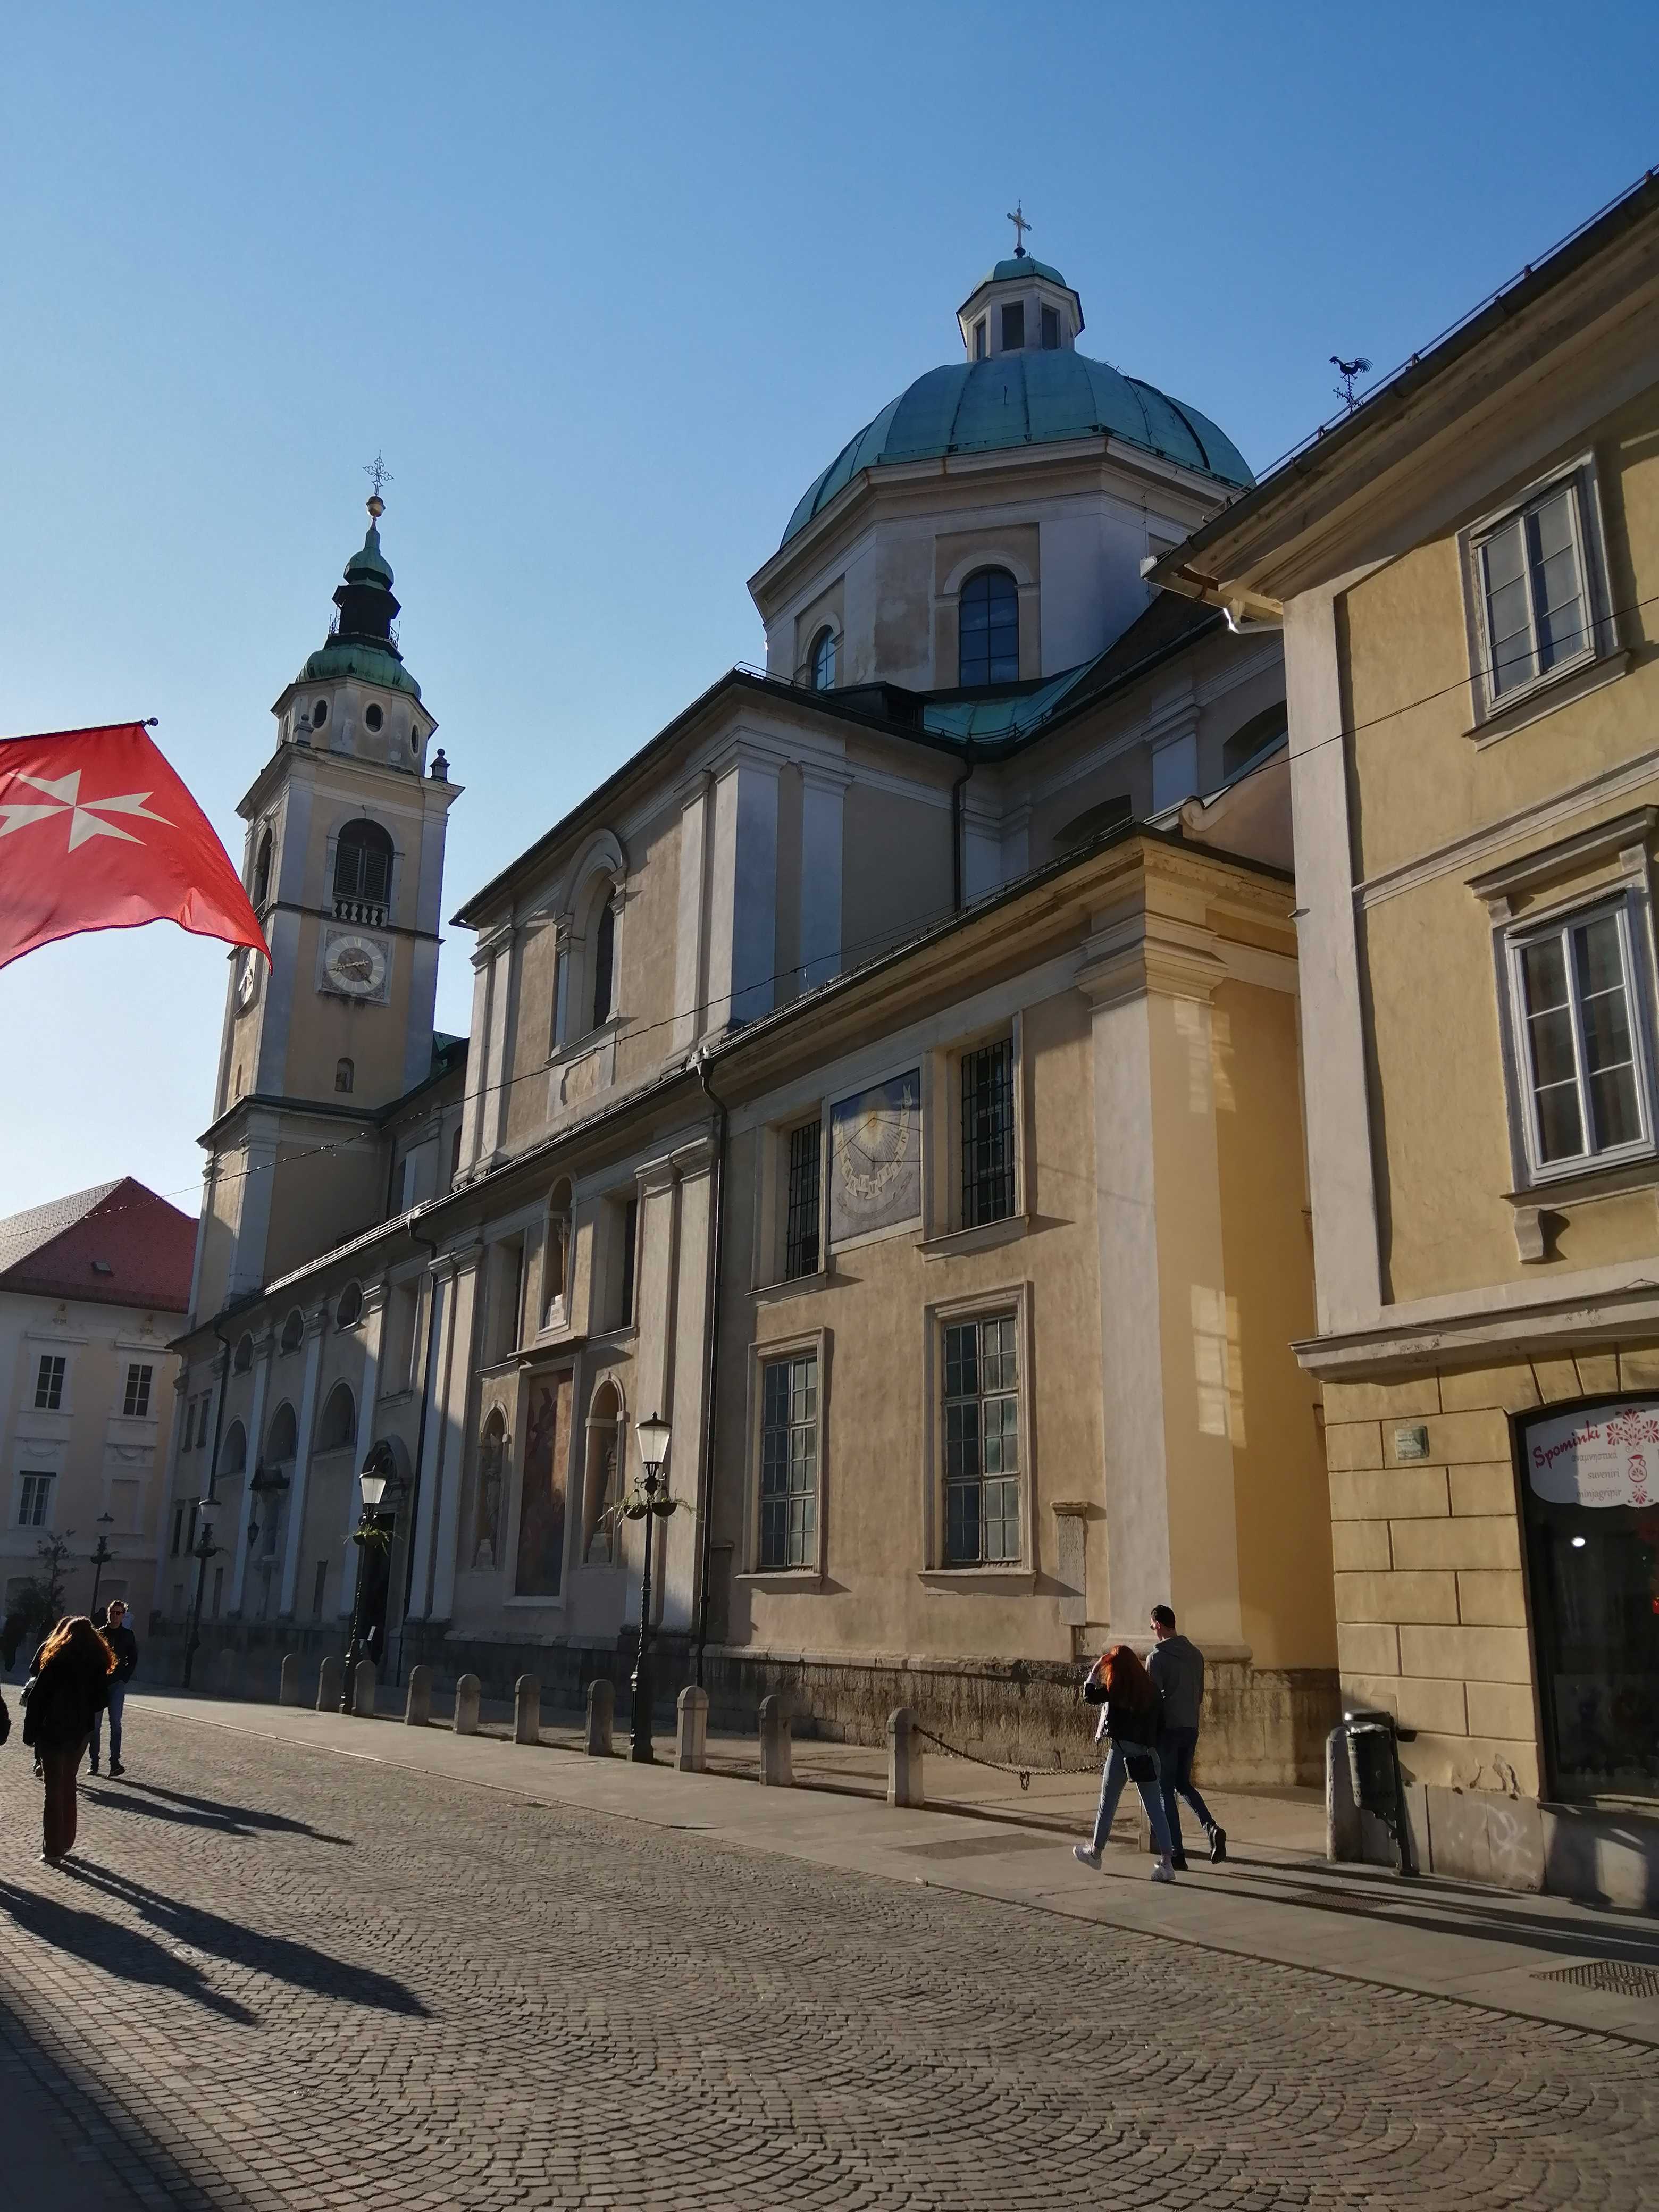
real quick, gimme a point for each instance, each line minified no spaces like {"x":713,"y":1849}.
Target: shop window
{"x":1589,"y":1491}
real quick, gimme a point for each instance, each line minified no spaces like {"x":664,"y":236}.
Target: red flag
{"x":97,"y":832}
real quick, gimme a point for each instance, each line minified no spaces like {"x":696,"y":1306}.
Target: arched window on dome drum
{"x":987,"y":636}
{"x":262,"y":868}
{"x":605,"y":963}
{"x":362,"y":871}
{"x":823,"y":661}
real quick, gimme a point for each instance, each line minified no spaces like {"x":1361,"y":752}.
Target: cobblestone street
{"x":280,"y":1976}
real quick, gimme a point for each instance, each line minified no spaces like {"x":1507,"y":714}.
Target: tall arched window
{"x":822,"y":660}
{"x":987,"y":616}
{"x":602,"y":1483}
{"x":232,"y":1453}
{"x":262,"y":868}
{"x":605,"y":961}
{"x":280,"y":1436}
{"x":362,"y":866}
{"x":555,"y":1263}
{"x":339,"y":1426}
{"x":344,"y":1075}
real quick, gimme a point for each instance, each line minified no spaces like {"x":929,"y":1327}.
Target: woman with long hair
{"x":1131,"y":1712}
{"x":70,"y":1687}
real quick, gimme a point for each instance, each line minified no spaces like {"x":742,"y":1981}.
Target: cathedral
{"x":888,"y":1077}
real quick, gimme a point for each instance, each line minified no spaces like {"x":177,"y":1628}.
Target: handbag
{"x":1141,"y":1764}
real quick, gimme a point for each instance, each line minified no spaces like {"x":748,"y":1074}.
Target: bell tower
{"x":344,"y":861}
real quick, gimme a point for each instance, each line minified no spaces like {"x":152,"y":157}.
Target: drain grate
{"x":1617,"y":1975}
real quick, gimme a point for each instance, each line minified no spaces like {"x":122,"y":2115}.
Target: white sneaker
{"x":1161,"y":1872}
{"x":1086,"y":1855}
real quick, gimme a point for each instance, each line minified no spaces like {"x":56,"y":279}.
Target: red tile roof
{"x":116,"y":1244}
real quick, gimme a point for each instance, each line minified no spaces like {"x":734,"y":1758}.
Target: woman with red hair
{"x":70,"y":1687}
{"x":1131,"y":1714}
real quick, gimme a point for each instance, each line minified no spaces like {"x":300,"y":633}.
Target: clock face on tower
{"x":355,"y":965}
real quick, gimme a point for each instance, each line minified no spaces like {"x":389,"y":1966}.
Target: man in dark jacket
{"x":1177,"y":1667}
{"x":124,"y":1645}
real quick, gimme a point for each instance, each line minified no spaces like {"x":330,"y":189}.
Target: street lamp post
{"x":377,"y":1473}
{"x":201,"y":1551}
{"x":101,"y":1557}
{"x":650,"y":1503}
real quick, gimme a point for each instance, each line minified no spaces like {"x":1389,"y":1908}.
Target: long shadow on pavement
{"x":205,"y":1812}
{"x":301,"y":1964}
{"x":125,"y":1953}
{"x":1460,"y":1911}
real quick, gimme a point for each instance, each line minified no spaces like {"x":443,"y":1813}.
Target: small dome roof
{"x":370,"y":565}
{"x":1023,"y":264}
{"x":1027,"y":398}
{"x":369,"y":663}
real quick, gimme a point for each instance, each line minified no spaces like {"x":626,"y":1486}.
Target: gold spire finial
{"x":377,"y":473}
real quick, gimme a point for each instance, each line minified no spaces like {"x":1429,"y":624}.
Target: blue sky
{"x":609,"y":287}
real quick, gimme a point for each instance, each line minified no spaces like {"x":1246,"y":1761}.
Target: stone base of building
{"x":1600,"y":1854}
{"x":1262,"y":1726}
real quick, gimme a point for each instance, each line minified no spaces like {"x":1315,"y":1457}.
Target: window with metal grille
{"x":1533,"y":590}
{"x":1050,"y":330}
{"x":988,"y":1133}
{"x":1575,"y":1009}
{"x":982,"y":1441}
{"x":789,"y":1462}
{"x":35,"y":1496}
{"x":49,"y":1382}
{"x":136,"y":1403}
{"x":987,"y":637}
{"x":801,"y":1232}
{"x":1013,"y":326}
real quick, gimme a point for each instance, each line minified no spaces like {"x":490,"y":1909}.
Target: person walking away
{"x":27,"y":1691}
{"x":70,"y":1687}
{"x":124,"y":1645}
{"x":1131,"y":1714}
{"x":1177,"y":1667}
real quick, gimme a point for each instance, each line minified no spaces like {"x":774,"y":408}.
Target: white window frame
{"x":815,"y":1343}
{"x":1579,"y":476}
{"x":1019,"y":1574}
{"x":1628,"y":909}
{"x":146,"y":1368}
{"x":37,"y":1406}
{"x":34,"y":1482}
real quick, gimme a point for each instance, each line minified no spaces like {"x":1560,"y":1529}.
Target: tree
{"x":39,"y":1601}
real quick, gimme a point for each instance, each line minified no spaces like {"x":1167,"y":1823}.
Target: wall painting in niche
{"x":546,"y":1469}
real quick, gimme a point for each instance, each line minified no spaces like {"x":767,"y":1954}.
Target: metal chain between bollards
{"x":996,"y":1766}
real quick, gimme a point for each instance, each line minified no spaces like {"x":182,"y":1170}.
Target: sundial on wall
{"x":875,"y":1158}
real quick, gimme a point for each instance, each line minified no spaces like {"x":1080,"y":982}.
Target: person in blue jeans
{"x":1177,"y":1667}
{"x":1129,"y":1719}
{"x":124,"y":1645}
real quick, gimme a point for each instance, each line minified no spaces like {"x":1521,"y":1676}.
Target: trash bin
{"x":1374,"y":1769}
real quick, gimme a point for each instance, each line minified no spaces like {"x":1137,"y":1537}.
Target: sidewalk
{"x":1276,"y":1899}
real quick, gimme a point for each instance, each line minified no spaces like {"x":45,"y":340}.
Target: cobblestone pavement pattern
{"x":284,"y":1979}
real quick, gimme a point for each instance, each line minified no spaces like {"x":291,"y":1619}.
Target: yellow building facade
{"x":1467,"y":571}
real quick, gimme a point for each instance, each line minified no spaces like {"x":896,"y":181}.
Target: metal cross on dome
{"x":1018,"y":219}
{"x":378,"y":474}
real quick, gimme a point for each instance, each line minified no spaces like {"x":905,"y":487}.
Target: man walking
{"x":124,"y":1645}
{"x":1177,"y":1667}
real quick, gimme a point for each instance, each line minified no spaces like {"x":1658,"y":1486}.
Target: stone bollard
{"x":364,"y":1684}
{"x":776,"y":1755}
{"x":527,"y":1709}
{"x":288,"y":1682}
{"x":417,"y":1711}
{"x":903,"y":1759}
{"x":691,"y":1753}
{"x":601,"y":1712}
{"x":222,"y":1675}
{"x":329,"y":1675}
{"x":467,"y":1706}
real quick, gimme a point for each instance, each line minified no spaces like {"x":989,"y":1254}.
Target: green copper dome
{"x":371,"y":565}
{"x":1025,"y":398}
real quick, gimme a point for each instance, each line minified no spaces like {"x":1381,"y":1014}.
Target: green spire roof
{"x":371,"y":565}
